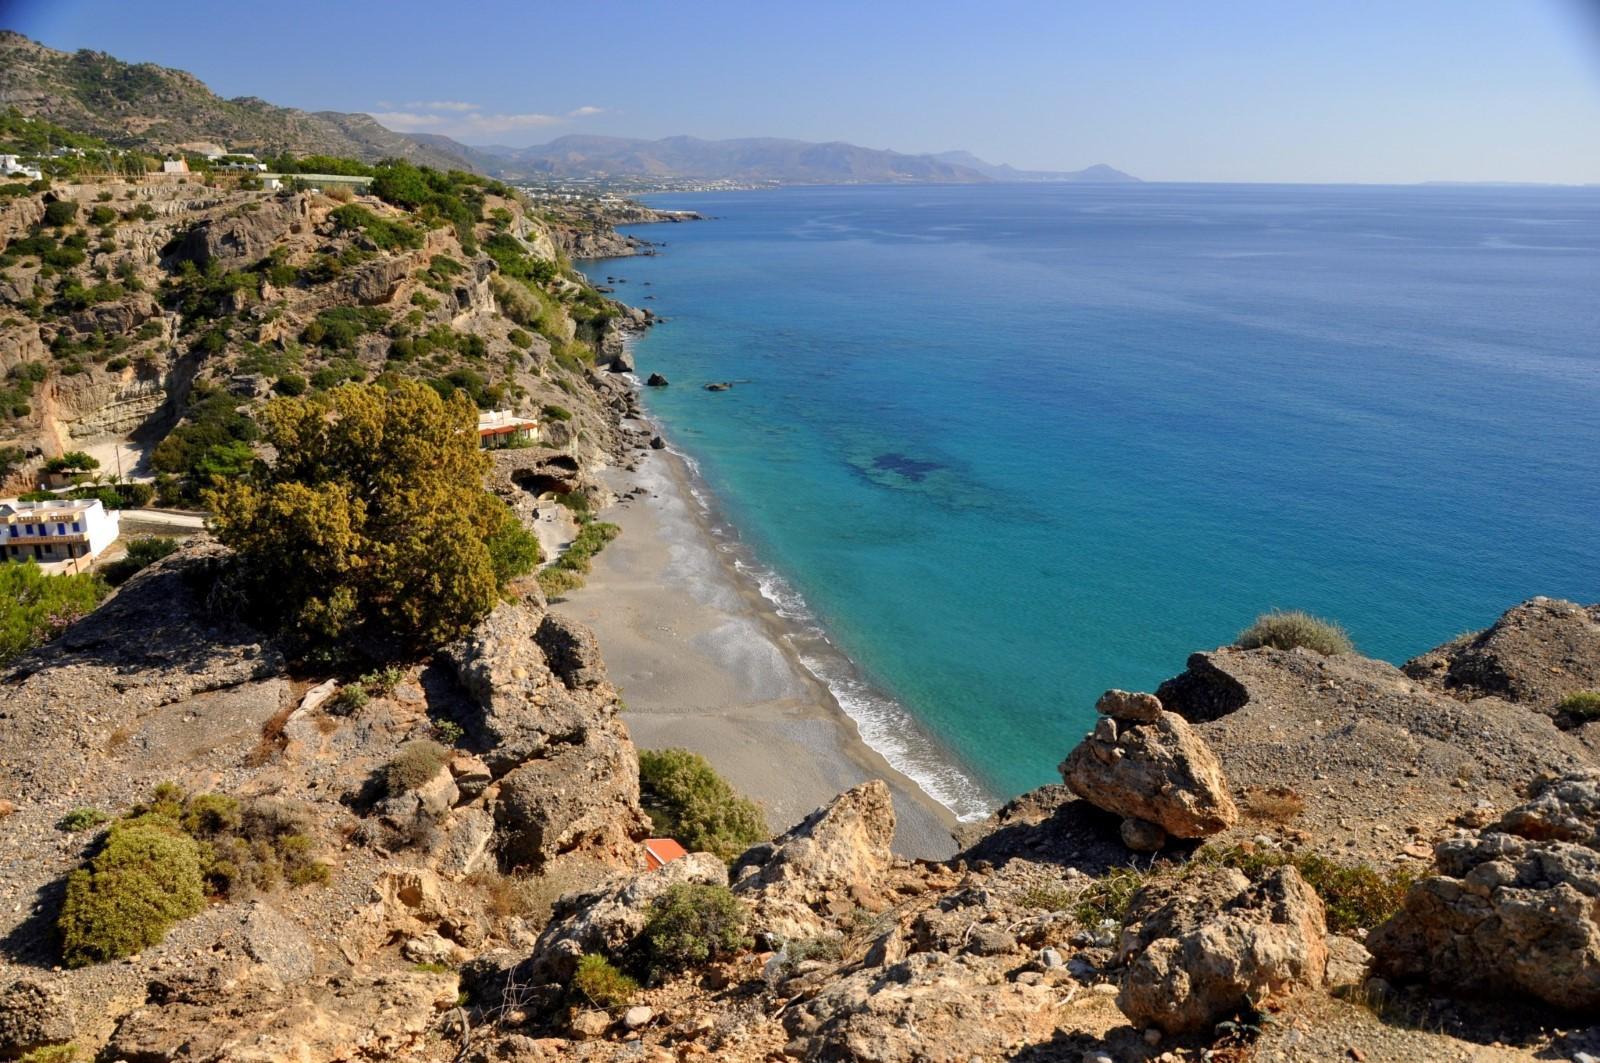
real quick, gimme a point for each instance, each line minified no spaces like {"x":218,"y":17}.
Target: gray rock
{"x":1142,"y":836}
{"x":33,"y":1014}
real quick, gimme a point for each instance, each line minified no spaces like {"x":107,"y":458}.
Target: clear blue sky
{"x":1211,"y":90}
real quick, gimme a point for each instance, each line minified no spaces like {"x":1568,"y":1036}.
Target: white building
{"x":174,"y":165}
{"x":66,"y":529}
{"x":502,"y":428}
{"x":13,"y":166}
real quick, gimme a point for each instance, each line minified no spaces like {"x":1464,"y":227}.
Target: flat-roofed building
{"x":67,"y":529}
{"x":502,"y":428}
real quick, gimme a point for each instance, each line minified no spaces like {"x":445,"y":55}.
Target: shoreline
{"x":706,"y":661}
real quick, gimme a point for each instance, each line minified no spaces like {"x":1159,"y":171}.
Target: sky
{"x":1221,"y":90}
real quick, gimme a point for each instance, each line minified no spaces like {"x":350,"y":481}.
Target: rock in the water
{"x":657,"y":443}
{"x":656,"y":381}
{"x":1508,"y":910}
{"x":823,"y":869}
{"x":719,"y":386}
{"x":1154,"y":769}
{"x":1200,"y":949}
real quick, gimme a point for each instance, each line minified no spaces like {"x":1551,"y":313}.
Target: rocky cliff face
{"x":1048,"y":937}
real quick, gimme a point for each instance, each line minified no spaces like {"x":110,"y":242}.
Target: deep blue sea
{"x":1010,"y":446}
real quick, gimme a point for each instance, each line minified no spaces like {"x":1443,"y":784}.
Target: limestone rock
{"x":606,"y":920}
{"x":240,"y":238}
{"x":1509,"y":911}
{"x":464,"y":844}
{"x":1199,"y":949}
{"x":363,"y":1017}
{"x":931,"y":1006}
{"x":824,"y":868}
{"x":34,"y":1013}
{"x":1155,"y":768}
{"x":1534,"y":655}
{"x":583,"y":794}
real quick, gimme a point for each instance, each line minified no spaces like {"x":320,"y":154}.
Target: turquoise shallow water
{"x":1014,"y":445}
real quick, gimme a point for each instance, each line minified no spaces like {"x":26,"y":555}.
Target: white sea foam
{"x":885,"y":725}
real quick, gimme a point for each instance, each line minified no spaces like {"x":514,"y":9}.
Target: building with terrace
{"x":73,"y":531}
{"x":502,"y":428}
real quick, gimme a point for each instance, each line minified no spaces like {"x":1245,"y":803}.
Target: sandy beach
{"x":703,"y":663}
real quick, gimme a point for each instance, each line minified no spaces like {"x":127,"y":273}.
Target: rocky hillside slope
{"x":166,"y":312}
{"x":157,"y":108}
{"x":1280,"y":855}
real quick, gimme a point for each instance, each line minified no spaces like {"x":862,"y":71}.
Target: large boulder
{"x":582,"y":794}
{"x":931,"y":1006}
{"x":1515,"y":908}
{"x":33,"y":1014}
{"x":1144,"y":763}
{"x":1199,"y":949}
{"x":1534,"y":655}
{"x":823,"y":869}
{"x":608,"y":919}
{"x":241,"y":238}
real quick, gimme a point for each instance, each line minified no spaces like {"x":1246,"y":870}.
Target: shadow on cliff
{"x":1050,"y":825}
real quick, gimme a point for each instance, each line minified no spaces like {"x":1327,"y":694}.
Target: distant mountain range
{"x":161,"y":109}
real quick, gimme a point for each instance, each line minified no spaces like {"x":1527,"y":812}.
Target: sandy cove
{"x":703,"y":664}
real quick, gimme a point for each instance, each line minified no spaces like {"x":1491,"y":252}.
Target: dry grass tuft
{"x":1275,"y":804}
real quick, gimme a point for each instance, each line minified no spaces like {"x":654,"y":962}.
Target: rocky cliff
{"x":1345,"y":860}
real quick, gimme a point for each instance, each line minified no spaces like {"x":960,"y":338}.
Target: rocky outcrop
{"x":831,"y":863}
{"x":1534,"y":655}
{"x":34,"y":1014}
{"x":607,"y":920}
{"x":1148,"y":765}
{"x":244,"y":237}
{"x":568,"y":776}
{"x":1208,"y":945}
{"x":377,"y":282}
{"x":931,"y":1006}
{"x":1515,"y":908}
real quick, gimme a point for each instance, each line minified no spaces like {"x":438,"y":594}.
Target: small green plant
{"x":381,"y":684}
{"x":1583,"y":704}
{"x":352,"y":697}
{"x":81,"y":819}
{"x":601,"y":984}
{"x":62,"y":1053}
{"x":1284,"y":630}
{"x":1355,"y":896}
{"x":1109,"y":896}
{"x":433,"y":968}
{"x":686,"y":799}
{"x":447,"y":731}
{"x":691,"y":924}
{"x":415,"y":764}
{"x":146,"y":877}
{"x":1047,"y":898}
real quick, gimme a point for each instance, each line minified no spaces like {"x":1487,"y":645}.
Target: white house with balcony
{"x":62,"y":530}
{"x":502,"y":428}
{"x":13,"y":166}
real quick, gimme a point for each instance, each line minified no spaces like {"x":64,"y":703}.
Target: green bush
{"x":686,"y":799}
{"x":1355,"y":896}
{"x":567,"y":571}
{"x":1284,"y":630}
{"x":81,"y":819}
{"x":557,"y":413}
{"x":383,"y":232}
{"x":146,"y":877}
{"x":1584,"y":704}
{"x":415,"y":764}
{"x":352,"y":697}
{"x":691,"y":924}
{"x":601,"y":984}
{"x":60,"y":213}
{"x":142,"y":553}
{"x":34,"y":607}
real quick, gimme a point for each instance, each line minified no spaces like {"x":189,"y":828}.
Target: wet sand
{"x":703,"y":663}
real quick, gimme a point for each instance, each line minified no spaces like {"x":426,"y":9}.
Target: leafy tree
{"x":373,"y":520}
{"x":71,"y":461}
{"x":687,"y":800}
{"x":60,"y":213}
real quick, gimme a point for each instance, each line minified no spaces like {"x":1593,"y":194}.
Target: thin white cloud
{"x":407,"y":122}
{"x":441,"y":105}
{"x":585,"y":112}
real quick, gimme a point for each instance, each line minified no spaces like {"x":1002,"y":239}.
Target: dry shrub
{"x":1274,"y":804}
{"x":532,"y":897}
{"x":339,"y":193}
{"x":273,"y":741}
{"x":1288,"y":629}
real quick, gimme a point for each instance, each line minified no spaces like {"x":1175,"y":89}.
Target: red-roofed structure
{"x":659,"y":852}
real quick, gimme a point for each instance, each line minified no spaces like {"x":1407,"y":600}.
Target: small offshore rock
{"x":656,"y":381}
{"x":719,"y":386}
{"x":657,"y":443}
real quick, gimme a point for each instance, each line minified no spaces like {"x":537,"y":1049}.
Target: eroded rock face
{"x":33,"y":1014}
{"x":1534,"y":655}
{"x":931,"y":1006}
{"x":579,"y":795}
{"x":1147,"y":764}
{"x":1199,"y":949}
{"x":828,"y":865}
{"x":608,"y":919}
{"x":243,"y":237}
{"x":1517,"y":907}
{"x":364,"y":1017}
